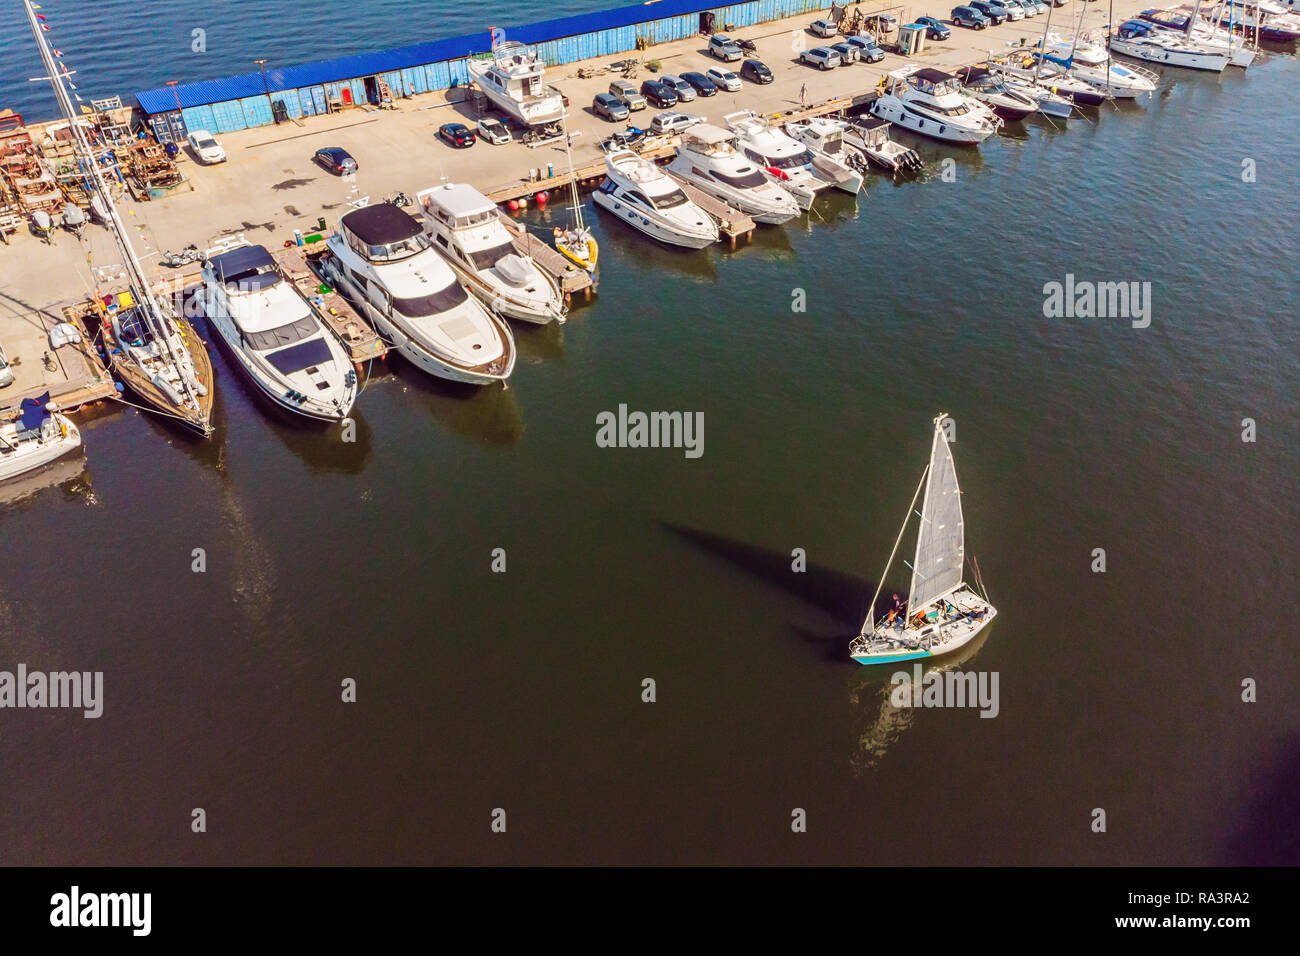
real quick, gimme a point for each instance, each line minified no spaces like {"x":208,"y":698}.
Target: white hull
{"x":745,"y":201}
{"x":501,"y":299}
{"x":29,"y":455}
{"x":1152,"y":53}
{"x":884,"y":648}
{"x":890,"y":108}
{"x":653,"y":227}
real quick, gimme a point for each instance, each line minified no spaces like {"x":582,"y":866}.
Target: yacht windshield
{"x":440,"y":301}
{"x":671,"y":200}
{"x":399,"y":250}
{"x":487,"y":258}
{"x":745,"y":179}
{"x":793,"y":161}
{"x":295,"y":331}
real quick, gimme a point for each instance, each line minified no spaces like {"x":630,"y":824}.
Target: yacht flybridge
{"x":468,"y":233}
{"x":276,"y":337}
{"x":709,"y":160}
{"x":785,"y":161}
{"x":942,"y":612}
{"x":513,"y":78}
{"x":383,"y":259}
{"x":929,"y":102}
{"x":151,"y":348}
{"x":645,"y":197}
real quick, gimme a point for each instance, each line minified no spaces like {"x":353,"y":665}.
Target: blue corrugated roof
{"x":369,"y":64}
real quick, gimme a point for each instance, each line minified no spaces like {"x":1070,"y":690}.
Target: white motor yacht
{"x":383,"y":259}
{"x":991,"y":89}
{"x":824,"y":136}
{"x":276,"y":336}
{"x":929,"y":102}
{"x":709,"y":160}
{"x":785,"y":161}
{"x":1145,"y":41}
{"x":514,"y":79}
{"x":870,"y":134}
{"x":645,"y":197}
{"x":470,"y":235}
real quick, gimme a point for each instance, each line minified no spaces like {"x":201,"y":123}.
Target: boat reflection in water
{"x":68,"y":474}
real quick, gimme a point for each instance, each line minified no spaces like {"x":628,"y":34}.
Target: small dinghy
{"x":42,"y":224}
{"x":98,"y":210}
{"x":74,"y":220}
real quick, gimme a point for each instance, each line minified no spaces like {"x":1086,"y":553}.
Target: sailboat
{"x":942,"y":612}
{"x":576,"y":243}
{"x":153,"y":350}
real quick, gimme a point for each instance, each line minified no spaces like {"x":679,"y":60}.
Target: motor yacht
{"x":870,"y":134}
{"x":824,"y":136}
{"x":514,"y":79}
{"x":276,"y":336}
{"x":785,"y":161}
{"x":645,"y":197}
{"x":929,"y":102}
{"x":381,"y":257}
{"x":709,"y":160}
{"x":991,"y":89}
{"x":469,"y":233}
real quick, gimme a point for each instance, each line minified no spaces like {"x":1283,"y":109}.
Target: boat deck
{"x":79,"y":377}
{"x":733,"y":223}
{"x":362,"y":343}
{"x":572,"y":279}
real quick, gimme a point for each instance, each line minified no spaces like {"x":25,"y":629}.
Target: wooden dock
{"x":79,"y":377}
{"x":361,"y":341}
{"x":662,"y":148}
{"x":571,"y":278}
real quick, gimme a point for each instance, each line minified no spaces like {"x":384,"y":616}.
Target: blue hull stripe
{"x":892,"y":658}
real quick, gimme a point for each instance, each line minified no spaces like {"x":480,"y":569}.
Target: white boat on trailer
{"x":37,"y":436}
{"x":942,"y":612}
{"x":929,"y":101}
{"x":514,"y":79}
{"x":383,"y":259}
{"x":276,"y":336}
{"x":709,"y":160}
{"x":646,"y":198}
{"x":468,"y":233}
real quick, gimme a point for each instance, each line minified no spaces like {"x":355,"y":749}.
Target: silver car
{"x":685,"y":92}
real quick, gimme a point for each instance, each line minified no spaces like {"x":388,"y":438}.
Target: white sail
{"x":941,"y":541}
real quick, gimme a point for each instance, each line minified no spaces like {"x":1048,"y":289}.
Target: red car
{"x":457,"y":134}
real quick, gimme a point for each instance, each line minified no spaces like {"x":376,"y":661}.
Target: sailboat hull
{"x":957,"y":637}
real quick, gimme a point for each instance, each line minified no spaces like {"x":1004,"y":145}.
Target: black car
{"x":457,"y":134}
{"x":756,"y":71}
{"x":703,"y":85}
{"x":659,"y":95}
{"x":336,"y":160}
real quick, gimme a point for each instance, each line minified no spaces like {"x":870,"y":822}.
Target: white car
{"x":206,"y":147}
{"x":671,"y":121}
{"x":822,"y":57}
{"x":823,"y":28}
{"x":723,"y":79}
{"x":494,"y":131}
{"x":6,"y":373}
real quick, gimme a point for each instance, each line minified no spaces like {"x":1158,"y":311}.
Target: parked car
{"x":756,"y":71}
{"x":206,"y":148}
{"x":722,"y":77}
{"x":336,"y":160}
{"x":824,"y":58}
{"x":610,"y":107}
{"x":494,"y":131}
{"x":934,"y":29}
{"x":6,"y":373}
{"x":1014,"y":10}
{"x":995,"y":12}
{"x":626,"y":93}
{"x":985,"y":8}
{"x":968,"y":17}
{"x":1028,"y":6}
{"x":703,"y":85}
{"x":823,"y":28}
{"x":868,"y":51}
{"x":724,"y":48}
{"x":670,"y":121}
{"x":849,"y":52}
{"x":659,"y":95}
{"x":457,"y":134}
{"x":884,"y":22}
{"x":685,"y":92}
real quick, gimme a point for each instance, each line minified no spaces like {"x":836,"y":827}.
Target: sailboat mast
{"x":135,"y":271}
{"x":1042,"y":45}
{"x":574,"y":206}
{"x":871,"y":611}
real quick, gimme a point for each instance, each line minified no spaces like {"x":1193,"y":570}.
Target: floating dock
{"x":78,"y":377}
{"x":572,"y":279}
{"x":360,"y":340}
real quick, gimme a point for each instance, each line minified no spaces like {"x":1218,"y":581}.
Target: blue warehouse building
{"x":254,"y":99}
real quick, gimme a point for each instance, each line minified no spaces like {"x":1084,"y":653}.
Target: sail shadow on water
{"x":839,"y":595}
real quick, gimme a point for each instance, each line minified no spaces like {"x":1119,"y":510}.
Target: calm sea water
{"x":120,"y":47}
{"x":522,"y":690}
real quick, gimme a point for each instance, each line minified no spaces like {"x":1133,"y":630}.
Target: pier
{"x":75,"y":375}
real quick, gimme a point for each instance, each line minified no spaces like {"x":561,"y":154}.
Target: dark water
{"x":120,"y":47}
{"x":522,"y":690}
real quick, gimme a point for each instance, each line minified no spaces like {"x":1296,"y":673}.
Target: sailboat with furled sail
{"x":576,"y":243}
{"x":153,"y":350}
{"x":942,"y":612}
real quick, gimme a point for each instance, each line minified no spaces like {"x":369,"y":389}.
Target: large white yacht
{"x":513,"y":78}
{"x":646,"y":198}
{"x":469,"y":234}
{"x":785,"y":161}
{"x":1205,"y":32}
{"x":1092,"y":63}
{"x":275,"y":335}
{"x":824,"y":137}
{"x":383,"y":259}
{"x":929,"y":102}
{"x":1145,"y":41}
{"x":709,"y":160}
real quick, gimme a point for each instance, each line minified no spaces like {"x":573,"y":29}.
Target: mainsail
{"x":941,"y":542}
